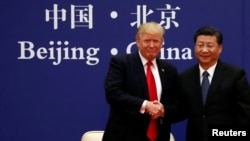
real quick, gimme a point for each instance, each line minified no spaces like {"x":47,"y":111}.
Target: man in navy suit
{"x":225,"y":111}
{"x":127,"y":91}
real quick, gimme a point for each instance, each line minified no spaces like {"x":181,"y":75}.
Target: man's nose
{"x":205,"y":49}
{"x":151,"y":43}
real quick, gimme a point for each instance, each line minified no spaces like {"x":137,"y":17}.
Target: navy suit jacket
{"x":227,"y":104}
{"x":126,"y":89}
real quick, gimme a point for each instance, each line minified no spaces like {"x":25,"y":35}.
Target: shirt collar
{"x":144,"y":60}
{"x":209,"y":70}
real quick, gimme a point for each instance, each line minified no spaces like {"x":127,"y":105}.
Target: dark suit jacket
{"x":227,"y":104}
{"x":126,"y":89}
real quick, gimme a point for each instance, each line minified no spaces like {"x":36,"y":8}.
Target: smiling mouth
{"x":151,"y":51}
{"x":204,"y":56}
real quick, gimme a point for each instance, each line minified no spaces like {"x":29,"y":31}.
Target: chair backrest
{"x":97,"y":136}
{"x":171,"y":137}
{"x":92,"y":136}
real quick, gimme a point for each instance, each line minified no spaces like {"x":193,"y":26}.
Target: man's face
{"x":149,"y":45}
{"x":207,"y":50}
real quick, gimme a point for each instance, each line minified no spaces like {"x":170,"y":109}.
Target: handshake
{"x":155,"y":109}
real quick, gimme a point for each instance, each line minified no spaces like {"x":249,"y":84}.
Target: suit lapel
{"x":216,"y":80}
{"x":196,"y":82}
{"x":162,"y":74}
{"x":140,"y":72}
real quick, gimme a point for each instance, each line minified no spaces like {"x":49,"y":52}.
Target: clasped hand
{"x":155,"y":109}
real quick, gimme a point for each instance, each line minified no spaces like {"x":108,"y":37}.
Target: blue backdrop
{"x":54,"y":56}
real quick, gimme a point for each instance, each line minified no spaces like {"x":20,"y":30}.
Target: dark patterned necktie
{"x":205,"y":86}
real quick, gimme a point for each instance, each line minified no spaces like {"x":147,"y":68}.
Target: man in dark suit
{"x":224,"y":110}
{"x":127,"y":92}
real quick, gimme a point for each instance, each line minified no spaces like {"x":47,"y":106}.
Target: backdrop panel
{"x":54,"y":56}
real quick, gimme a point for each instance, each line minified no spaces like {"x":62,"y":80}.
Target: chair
{"x":96,"y":135}
{"x":172,"y":137}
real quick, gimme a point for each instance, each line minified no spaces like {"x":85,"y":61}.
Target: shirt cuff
{"x":143,"y":107}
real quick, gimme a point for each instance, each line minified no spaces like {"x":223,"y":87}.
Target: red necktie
{"x":152,"y":130}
